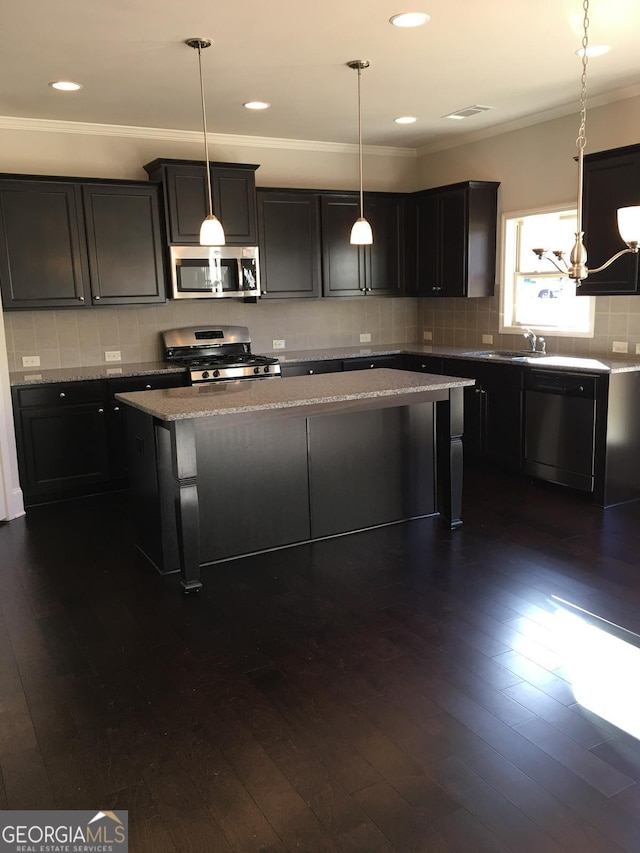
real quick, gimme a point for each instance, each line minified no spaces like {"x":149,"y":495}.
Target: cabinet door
{"x":384,"y":267}
{"x":503,"y":426}
{"x":427,"y":246}
{"x":234,"y":202}
{"x":63,"y":449}
{"x":609,"y":183}
{"x":343,"y":271}
{"x":124,"y":244}
{"x":42,"y":259}
{"x":453,"y":240}
{"x":289,"y":227}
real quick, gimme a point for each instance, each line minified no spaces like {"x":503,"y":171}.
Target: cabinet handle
{"x":81,"y":298}
{"x":100,"y":411}
{"x":96,"y":298}
{"x":436,"y":287}
{"x":62,"y":394}
{"x":147,"y":387}
{"x":116,"y":408}
{"x":310,"y":371}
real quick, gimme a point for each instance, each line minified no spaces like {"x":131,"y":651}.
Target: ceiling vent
{"x":466,"y":112}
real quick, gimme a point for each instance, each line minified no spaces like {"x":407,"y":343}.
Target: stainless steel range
{"x":217,"y":354}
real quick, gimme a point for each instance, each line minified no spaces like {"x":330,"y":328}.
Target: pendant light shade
{"x":629,"y":225}
{"x":361,"y":233}
{"x":211,"y":230}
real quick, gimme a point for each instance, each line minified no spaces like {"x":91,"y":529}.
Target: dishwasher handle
{"x":563,"y":384}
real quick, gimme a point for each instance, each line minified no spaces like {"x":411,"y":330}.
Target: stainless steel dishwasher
{"x":560,"y":415}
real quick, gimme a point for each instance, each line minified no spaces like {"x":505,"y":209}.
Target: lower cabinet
{"x":308,"y":368}
{"x":368,"y":362}
{"x":71,"y":437}
{"x":493,"y":411}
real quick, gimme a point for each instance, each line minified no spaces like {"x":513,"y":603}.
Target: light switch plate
{"x":278,"y":344}
{"x":31,"y":361}
{"x":427,"y":336}
{"x":637,"y":349}
{"x":620,"y":346}
{"x":113,"y":355}
{"x":365,"y":338}
{"x":487,"y":339}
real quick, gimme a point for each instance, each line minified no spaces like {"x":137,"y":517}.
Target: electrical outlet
{"x":31,"y":361}
{"x":427,"y":336}
{"x":487,"y":339}
{"x":365,"y":338}
{"x":112,"y":355}
{"x":278,"y":344}
{"x":620,"y":346}
{"x":637,"y":349}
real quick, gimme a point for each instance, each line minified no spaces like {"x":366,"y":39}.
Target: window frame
{"x":509,"y":250}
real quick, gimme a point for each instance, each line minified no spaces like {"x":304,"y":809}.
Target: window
{"x":533,"y":294}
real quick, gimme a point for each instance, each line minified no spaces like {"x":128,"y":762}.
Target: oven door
{"x":201,"y":273}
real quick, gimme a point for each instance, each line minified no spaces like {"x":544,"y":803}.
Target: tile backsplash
{"x":73,"y":338}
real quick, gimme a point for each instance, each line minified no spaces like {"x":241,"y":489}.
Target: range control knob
{"x":215,"y":373}
{"x":266,"y":369}
{"x":256,"y":370}
{"x":205,"y":374}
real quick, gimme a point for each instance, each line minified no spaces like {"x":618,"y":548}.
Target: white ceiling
{"x":517,"y":57}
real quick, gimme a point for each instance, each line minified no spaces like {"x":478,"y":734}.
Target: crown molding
{"x":218,"y":139}
{"x":449,"y":142}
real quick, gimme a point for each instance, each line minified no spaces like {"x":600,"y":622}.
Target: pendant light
{"x":211,"y":230}
{"x":361,"y":234}
{"x":628,"y":217}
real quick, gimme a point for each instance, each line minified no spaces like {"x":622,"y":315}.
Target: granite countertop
{"x":550,"y":361}
{"x":39,"y":376}
{"x":297,"y":394}
{"x":93,"y":371}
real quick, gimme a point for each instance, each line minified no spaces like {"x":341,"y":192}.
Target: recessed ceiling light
{"x":409,"y":19}
{"x":595,"y":50}
{"x":405,"y":120}
{"x":257,"y":105}
{"x":65,"y":86}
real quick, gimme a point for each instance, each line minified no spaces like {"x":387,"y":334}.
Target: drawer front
{"x":147,"y":383}
{"x":371,"y":362}
{"x":308,"y":368}
{"x":61,"y":394}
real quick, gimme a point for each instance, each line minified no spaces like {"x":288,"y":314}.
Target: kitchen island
{"x":224,"y":470}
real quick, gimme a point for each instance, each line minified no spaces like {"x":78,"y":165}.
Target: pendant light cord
{"x":204,"y":127}
{"x":360,"y":143}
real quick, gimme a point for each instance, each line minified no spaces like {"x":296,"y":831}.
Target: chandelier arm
{"x":614,"y":258}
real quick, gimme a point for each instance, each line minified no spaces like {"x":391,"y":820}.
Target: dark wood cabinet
{"x":421,"y":363}
{"x":452,"y":239}
{"x":370,"y":362}
{"x":42,"y":257}
{"x":493,"y":411}
{"x":290,"y":255}
{"x":611,"y":180}
{"x":75,"y":244}
{"x":124,"y":244}
{"x":71,"y":437}
{"x":233,"y":188}
{"x":360,"y":270}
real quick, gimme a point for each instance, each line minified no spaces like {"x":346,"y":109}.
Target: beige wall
{"x":536,"y":169}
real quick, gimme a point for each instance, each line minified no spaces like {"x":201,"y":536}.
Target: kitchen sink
{"x":501,"y":353}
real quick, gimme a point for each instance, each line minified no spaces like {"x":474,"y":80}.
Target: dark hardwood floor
{"x":394,"y":690}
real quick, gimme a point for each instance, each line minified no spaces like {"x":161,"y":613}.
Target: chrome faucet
{"x":530,"y":337}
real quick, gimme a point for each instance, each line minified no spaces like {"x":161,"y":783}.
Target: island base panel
{"x":370,"y":468}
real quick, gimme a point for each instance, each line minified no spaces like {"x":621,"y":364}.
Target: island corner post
{"x":171,"y":474}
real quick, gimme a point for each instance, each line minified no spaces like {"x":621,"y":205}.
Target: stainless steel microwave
{"x":203,"y":272}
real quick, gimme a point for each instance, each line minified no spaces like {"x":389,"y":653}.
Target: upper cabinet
{"x":611,"y":180}
{"x":451,"y":234}
{"x":233,"y":187}
{"x":360,"y":270}
{"x":67,"y":243}
{"x":289,"y":229}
